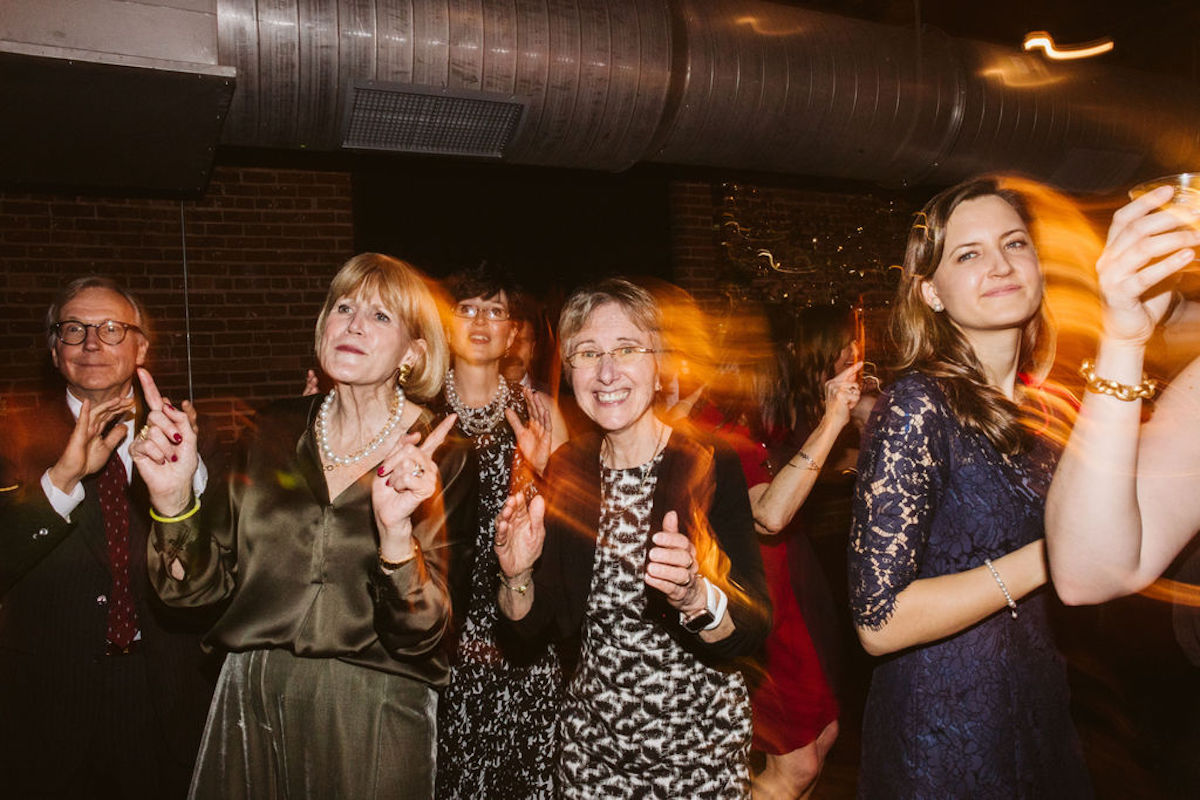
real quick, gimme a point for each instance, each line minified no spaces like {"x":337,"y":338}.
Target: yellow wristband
{"x":154,"y":515}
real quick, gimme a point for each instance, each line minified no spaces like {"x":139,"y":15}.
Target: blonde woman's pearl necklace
{"x":332,"y":460}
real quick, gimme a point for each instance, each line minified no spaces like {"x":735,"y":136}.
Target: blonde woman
{"x":327,"y":545}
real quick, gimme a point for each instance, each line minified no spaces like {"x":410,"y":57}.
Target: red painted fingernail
{"x":174,"y":457}
{"x":178,"y":438}
{"x":168,"y":405}
{"x":380,"y":471}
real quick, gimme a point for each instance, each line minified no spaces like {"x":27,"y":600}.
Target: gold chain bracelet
{"x":392,"y":566}
{"x":1122,"y":391}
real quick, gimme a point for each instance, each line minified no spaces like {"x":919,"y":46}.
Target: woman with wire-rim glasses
{"x":643,"y":546}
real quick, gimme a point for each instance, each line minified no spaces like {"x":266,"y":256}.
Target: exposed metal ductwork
{"x":595,"y":84}
{"x":781,"y":89}
{"x":734,"y":84}
{"x":592,"y":76}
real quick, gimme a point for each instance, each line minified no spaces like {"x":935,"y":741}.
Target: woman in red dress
{"x":757,"y":407}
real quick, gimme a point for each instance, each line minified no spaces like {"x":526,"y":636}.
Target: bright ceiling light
{"x":1044,"y":41}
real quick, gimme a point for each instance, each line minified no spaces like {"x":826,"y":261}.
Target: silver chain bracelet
{"x":1012,"y":605}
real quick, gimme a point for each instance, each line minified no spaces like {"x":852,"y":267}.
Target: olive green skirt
{"x":281,"y":726}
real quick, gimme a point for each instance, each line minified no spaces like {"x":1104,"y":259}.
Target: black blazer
{"x":54,"y":588}
{"x":701,"y":480}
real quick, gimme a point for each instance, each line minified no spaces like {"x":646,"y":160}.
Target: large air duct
{"x":596,"y":84}
{"x":587,"y":80}
{"x":780,"y":89}
{"x":736,"y":84}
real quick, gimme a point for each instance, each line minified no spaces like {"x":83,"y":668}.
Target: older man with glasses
{"x":101,"y":693}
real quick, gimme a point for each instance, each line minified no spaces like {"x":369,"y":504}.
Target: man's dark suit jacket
{"x":54,"y":589}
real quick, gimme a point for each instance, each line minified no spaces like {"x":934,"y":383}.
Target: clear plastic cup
{"x":1186,"y":184}
{"x":1184,"y":204}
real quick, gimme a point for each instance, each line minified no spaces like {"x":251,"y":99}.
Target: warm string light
{"x":779,"y":255}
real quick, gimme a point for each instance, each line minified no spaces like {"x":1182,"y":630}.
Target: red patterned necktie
{"x":122,"y":616}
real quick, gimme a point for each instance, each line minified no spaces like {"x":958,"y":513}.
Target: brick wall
{"x":261,"y":246}
{"x":695,"y":255}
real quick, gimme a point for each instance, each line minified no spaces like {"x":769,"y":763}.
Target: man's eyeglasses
{"x":72,"y":331}
{"x":489,"y":313}
{"x":621,"y":356}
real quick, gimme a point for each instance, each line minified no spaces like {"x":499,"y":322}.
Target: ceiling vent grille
{"x":417,"y":119}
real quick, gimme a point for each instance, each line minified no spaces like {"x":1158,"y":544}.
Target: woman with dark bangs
{"x":947,"y":559}
{"x":497,"y":719}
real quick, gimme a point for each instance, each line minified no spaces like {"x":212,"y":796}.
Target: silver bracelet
{"x":812,"y":464}
{"x":1012,"y":605}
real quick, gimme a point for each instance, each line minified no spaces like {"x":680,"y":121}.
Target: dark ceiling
{"x":1158,"y":36}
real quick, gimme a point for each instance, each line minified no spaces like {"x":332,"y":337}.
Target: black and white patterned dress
{"x":643,"y":717}
{"x":497,"y":732}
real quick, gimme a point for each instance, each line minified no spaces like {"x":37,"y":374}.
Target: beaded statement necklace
{"x":332,"y":460}
{"x":477,"y":421}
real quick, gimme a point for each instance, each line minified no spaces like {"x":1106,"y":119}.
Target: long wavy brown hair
{"x":931,"y":343}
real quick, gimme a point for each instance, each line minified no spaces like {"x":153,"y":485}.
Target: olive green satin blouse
{"x":300,"y":571}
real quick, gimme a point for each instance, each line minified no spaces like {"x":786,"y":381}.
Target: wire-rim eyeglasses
{"x":590,"y":359}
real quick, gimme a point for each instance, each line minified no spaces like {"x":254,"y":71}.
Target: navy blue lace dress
{"x":983,"y":713}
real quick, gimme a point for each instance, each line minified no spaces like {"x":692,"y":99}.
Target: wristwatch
{"x":710,"y":616}
{"x":699,"y":622}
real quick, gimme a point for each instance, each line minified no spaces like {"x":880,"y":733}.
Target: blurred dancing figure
{"x":751,"y":403}
{"x":946,"y":552}
{"x":1124,"y":501}
{"x":644,"y":546}
{"x":795,"y":711}
{"x":327,"y":546}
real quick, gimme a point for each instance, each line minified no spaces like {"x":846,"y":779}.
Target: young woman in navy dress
{"x":947,"y":561}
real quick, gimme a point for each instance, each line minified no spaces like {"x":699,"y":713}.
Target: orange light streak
{"x":1171,"y":591}
{"x":1044,"y":41}
{"x":763,"y":28}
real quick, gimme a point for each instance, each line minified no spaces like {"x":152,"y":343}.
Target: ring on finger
{"x":418,"y":471}
{"x":144,"y":432}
